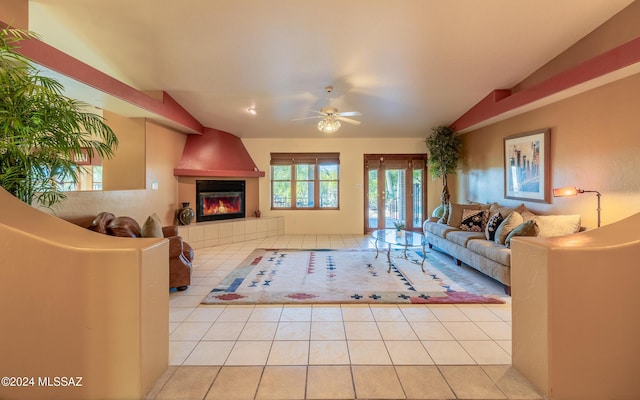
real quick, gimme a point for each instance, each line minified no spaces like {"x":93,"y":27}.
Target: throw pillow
{"x":492,"y":225}
{"x":527,"y":214}
{"x":474,"y":220}
{"x":123,"y":227}
{"x":101,"y":222}
{"x":152,"y":227}
{"x":438,"y":212}
{"x":558,"y":225}
{"x":527,"y":228}
{"x":514,"y":219}
{"x":455,"y":213}
{"x":497,"y":208}
{"x":505,"y":211}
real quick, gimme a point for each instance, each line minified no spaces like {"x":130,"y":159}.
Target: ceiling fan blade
{"x":300,"y":119}
{"x":349,"y":114}
{"x":348,"y":120}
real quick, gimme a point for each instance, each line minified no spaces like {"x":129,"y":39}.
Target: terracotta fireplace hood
{"x":216,"y":154}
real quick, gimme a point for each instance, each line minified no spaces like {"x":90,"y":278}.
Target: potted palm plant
{"x":444,"y":148}
{"x":41,"y":129}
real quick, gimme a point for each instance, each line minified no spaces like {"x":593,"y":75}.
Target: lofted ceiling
{"x":406,"y":65}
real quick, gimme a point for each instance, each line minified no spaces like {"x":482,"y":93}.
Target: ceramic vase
{"x":185,"y":214}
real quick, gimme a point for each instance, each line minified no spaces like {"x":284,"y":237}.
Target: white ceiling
{"x":406,"y":65}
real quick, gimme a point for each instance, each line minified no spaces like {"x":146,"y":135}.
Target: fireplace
{"x":218,"y":200}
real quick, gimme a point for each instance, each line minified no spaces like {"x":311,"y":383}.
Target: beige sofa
{"x":491,"y":257}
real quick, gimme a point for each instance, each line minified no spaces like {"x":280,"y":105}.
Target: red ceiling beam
{"x":58,"y":61}
{"x":501,"y":101}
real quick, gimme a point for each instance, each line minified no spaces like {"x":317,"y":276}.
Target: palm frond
{"x":40,"y":128}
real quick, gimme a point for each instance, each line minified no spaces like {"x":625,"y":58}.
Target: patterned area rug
{"x":272,"y":276}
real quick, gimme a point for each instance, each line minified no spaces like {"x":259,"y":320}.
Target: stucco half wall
{"x":78,"y":304}
{"x":575,"y":312}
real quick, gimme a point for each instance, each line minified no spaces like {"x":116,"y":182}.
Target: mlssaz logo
{"x":60,"y":381}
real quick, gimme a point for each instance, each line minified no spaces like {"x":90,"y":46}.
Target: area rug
{"x":276,"y":276}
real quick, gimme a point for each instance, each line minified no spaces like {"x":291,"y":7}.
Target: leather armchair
{"x":180,"y":258}
{"x":180,"y":253}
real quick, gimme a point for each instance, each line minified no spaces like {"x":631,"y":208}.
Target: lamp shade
{"x":565,"y":191}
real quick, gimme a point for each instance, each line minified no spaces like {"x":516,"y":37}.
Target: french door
{"x":395,"y":191}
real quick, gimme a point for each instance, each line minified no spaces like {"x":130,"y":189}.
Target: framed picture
{"x":526,"y":166}
{"x":82,"y":158}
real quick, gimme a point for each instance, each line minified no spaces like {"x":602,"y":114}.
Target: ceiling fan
{"x":330,"y":122}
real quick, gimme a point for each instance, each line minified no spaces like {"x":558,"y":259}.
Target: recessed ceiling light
{"x":252,"y":110}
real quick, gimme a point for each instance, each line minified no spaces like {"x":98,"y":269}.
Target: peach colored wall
{"x":126,"y":169}
{"x":163,"y":151}
{"x":187,"y":191}
{"x":80,"y":304}
{"x":618,"y":30}
{"x":595,"y":145}
{"x":15,"y":13}
{"x":350,"y":218}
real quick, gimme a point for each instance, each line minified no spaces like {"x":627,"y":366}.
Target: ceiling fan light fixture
{"x":329,"y":125}
{"x":330,"y":117}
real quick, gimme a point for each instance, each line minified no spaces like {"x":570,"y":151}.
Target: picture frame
{"x":81,"y":158}
{"x":527,"y":166}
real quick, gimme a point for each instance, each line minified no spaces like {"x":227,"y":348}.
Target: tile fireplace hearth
{"x":215,"y":233}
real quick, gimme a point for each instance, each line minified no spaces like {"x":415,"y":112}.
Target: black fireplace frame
{"x":219,"y":186}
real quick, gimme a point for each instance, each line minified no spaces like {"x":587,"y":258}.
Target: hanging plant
{"x":444,"y":148}
{"x":41,"y":129}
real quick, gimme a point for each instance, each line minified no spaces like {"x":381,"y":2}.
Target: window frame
{"x":316,"y":160}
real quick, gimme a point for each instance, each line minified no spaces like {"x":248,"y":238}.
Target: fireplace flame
{"x":221,"y":207}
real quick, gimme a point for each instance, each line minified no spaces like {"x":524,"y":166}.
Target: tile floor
{"x":333,"y":351}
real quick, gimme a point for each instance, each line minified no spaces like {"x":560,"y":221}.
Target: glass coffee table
{"x":403,"y":239}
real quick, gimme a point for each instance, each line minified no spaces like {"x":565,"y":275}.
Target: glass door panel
{"x":417,"y":198}
{"x":394,"y":191}
{"x":395,"y":195}
{"x":372,"y":199}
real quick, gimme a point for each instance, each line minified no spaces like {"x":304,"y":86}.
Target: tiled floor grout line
{"x":212,"y":382}
{"x":311,"y":339}
{"x":404,"y":390}
{"x":447,"y":381}
{"x":496,"y":383}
